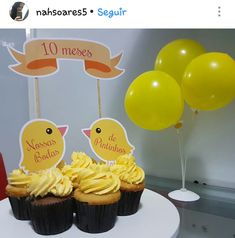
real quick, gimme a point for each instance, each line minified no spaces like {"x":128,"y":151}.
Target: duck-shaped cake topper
{"x":108,"y":139}
{"x":42,"y":145}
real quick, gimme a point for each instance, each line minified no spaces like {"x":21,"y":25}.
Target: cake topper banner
{"x":42,"y":145}
{"x":108,"y":139}
{"x":40,"y":58}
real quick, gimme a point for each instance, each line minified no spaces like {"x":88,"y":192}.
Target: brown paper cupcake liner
{"x":53,"y":218}
{"x":129,"y":203}
{"x":95,"y":218}
{"x":20,"y":207}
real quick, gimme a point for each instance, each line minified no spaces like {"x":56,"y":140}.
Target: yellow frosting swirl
{"x":127,"y":170}
{"x":18,"y":178}
{"x":101,"y":167}
{"x":63,"y":188}
{"x":80,"y":160}
{"x":127,"y":160}
{"x":98,"y":183}
{"x":72,"y":173}
{"x":50,"y":181}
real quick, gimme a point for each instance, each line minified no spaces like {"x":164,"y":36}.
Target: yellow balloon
{"x":209,"y":81}
{"x":154,"y":101}
{"x":176,"y":55}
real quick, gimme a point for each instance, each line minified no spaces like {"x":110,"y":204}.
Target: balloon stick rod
{"x":182,"y":194}
{"x":183,"y":160}
{"x":99,"y":98}
{"x":37,"y":98}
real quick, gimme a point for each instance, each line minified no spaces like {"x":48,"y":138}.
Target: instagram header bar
{"x":117,"y":14}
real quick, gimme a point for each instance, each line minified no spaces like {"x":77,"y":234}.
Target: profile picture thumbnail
{"x":19,"y":11}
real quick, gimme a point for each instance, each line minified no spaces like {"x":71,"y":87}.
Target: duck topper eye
{"x":49,"y":131}
{"x":98,"y":130}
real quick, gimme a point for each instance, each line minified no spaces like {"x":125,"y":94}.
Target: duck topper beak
{"x":63,"y":130}
{"x":86,"y":132}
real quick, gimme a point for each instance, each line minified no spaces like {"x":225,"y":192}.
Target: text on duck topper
{"x":108,"y":139}
{"x":42,"y":145}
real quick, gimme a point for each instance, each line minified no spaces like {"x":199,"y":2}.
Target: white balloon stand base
{"x":184,"y":195}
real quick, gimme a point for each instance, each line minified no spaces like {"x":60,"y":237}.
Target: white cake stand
{"x":156,"y":217}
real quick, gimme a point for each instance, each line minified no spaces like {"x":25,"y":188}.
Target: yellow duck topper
{"x":42,"y":145}
{"x":108,"y":139}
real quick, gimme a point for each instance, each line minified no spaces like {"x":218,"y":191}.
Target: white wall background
{"x":70,"y":96}
{"x":14,"y":110}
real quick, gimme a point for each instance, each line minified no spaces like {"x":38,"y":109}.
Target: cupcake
{"x":18,"y":194}
{"x":132,"y":184}
{"x":51,"y":206}
{"x":96,"y":200}
{"x":79,"y":160}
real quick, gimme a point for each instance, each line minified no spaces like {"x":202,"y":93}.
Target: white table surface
{"x":156,"y":217}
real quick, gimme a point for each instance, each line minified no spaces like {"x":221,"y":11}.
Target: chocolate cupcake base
{"x":52,"y":218}
{"x":20,"y":207}
{"x":95,"y":218}
{"x":129,"y":203}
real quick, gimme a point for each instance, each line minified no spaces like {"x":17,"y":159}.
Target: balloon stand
{"x":183,"y":194}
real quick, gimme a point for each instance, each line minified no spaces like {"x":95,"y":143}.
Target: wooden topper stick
{"x":37,"y":98}
{"x":99,"y":98}
{"x":31,"y":33}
